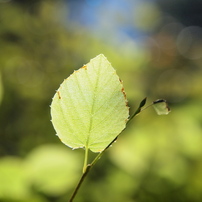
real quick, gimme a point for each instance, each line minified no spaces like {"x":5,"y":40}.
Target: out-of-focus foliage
{"x":47,"y":167}
{"x":158,"y":158}
{"x":43,"y":170}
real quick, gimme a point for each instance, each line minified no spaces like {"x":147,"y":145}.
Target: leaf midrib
{"x":95,"y":89}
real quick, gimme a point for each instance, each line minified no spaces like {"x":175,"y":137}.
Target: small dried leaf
{"x":161,"y":107}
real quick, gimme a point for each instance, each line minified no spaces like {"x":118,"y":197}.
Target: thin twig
{"x":80,"y":182}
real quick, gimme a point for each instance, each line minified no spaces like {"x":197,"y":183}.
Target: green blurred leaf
{"x":90,"y":107}
{"x":52,"y":169}
{"x":161,"y":107}
{"x":13,"y":183}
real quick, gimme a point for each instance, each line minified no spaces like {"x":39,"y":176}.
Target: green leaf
{"x":13,"y":186}
{"x":90,"y":108}
{"x":47,"y":166}
{"x":161,"y":107}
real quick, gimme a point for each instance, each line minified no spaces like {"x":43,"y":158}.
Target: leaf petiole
{"x":85,"y":160}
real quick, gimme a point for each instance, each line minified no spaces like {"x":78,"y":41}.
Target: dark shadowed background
{"x":156,"y":48}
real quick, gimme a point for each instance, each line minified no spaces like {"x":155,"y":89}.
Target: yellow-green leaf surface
{"x":90,"y":108}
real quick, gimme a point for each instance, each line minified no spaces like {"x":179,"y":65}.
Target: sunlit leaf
{"x":90,"y":108}
{"x":161,"y":107}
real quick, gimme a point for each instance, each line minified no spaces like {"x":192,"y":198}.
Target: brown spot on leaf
{"x":124,"y":94}
{"x":58,"y":94}
{"x":84,"y":67}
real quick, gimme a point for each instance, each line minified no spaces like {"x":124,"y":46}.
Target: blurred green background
{"x":156,"y":48}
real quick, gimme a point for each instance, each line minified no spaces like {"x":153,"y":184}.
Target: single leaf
{"x":161,"y":107}
{"x":90,"y":108}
